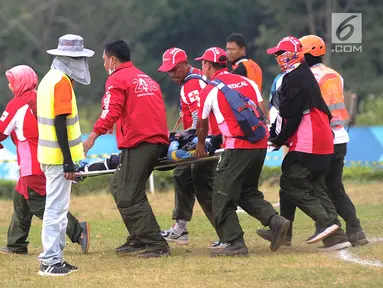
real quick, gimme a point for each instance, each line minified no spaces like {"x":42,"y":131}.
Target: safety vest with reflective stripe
{"x":49,"y":151}
{"x":253,"y":71}
{"x":331,"y":86}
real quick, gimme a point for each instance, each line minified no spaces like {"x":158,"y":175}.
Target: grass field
{"x":190,"y":266}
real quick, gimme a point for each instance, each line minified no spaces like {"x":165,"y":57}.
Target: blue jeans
{"x":55,"y":219}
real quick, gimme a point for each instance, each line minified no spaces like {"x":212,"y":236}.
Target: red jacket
{"x":19,"y":121}
{"x":134,"y":102}
{"x":214,"y":103}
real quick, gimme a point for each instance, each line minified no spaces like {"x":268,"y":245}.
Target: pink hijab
{"x":24,"y":81}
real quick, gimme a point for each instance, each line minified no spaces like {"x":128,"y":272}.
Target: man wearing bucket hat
{"x":195,"y":180}
{"x":59,"y":145}
{"x":306,"y":129}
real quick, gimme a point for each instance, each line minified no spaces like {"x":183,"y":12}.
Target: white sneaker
{"x":320,"y":234}
{"x":218,"y":245}
{"x":171,"y":235}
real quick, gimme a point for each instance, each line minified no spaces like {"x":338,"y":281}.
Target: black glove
{"x":68,"y":166}
{"x":113,"y":161}
{"x":278,"y":143}
{"x":172,"y":137}
{"x":189,"y":146}
{"x":216,"y":142}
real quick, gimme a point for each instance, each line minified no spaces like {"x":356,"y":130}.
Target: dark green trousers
{"x":24,"y":210}
{"x":306,"y":189}
{"x":128,"y":190}
{"x":184,"y":193}
{"x":236,"y":184}
{"x":190,"y":182}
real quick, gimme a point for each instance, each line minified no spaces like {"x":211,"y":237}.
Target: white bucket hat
{"x":71,"y":45}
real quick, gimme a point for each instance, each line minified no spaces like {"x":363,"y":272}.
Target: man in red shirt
{"x":19,"y":121}
{"x":134,"y":102}
{"x":195,"y":180}
{"x":236,"y":177}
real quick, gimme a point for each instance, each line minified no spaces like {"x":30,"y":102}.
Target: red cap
{"x":289,"y":43}
{"x":214,"y":54}
{"x":171,"y":58}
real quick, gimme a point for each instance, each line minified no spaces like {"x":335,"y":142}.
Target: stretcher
{"x":163,"y":164}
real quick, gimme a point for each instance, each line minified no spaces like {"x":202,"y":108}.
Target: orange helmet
{"x":313,"y":45}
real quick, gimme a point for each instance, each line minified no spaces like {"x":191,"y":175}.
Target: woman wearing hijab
{"x":19,"y":121}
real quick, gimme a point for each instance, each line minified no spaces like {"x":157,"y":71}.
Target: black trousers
{"x":337,"y":193}
{"x":190,"y":182}
{"x":302,"y":185}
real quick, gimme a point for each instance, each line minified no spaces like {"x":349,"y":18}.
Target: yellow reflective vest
{"x":49,"y":151}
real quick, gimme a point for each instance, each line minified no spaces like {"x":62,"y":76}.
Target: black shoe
{"x":358,"y":239}
{"x":53,"y":270}
{"x":131,"y":246}
{"x":72,"y":268}
{"x":268,"y":236}
{"x":322,"y":233}
{"x":279,"y":227}
{"x":235,"y":248}
{"x":7,"y":251}
{"x":155,"y":254}
{"x":84,"y":240}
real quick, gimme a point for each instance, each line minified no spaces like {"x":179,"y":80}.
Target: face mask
{"x":110,"y":71}
{"x":288,"y":61}
{"x":76,"y":68}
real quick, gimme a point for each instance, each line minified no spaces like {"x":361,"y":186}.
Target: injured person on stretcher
{"x":182,"y":147}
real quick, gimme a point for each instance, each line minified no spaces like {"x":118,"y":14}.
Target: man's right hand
{"x":88,"y":143}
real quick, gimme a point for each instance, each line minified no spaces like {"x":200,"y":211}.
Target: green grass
{"x":190,"y":266}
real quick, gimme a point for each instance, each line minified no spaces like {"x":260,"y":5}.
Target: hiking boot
{"x":7,"y":251}
{"x":267,"y":235}
{"x":155,"y":254}
{"x":218,"y":245}
{"x":131,"y":246}
{"x":84,"y":239}
{"x":172,"y":235}
{"x":235,"y":248}
{"x":358,"y":239}
{"x":53,"y":270}
{"x":322,"y":233}
{"x":71,"y":267}
{"x":279,"y":227}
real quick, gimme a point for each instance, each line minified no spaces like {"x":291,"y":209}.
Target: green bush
{"x":163,"y":180}
{"x":6,"y":188}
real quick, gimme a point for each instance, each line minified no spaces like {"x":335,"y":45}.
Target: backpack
{"x":248,"y":115}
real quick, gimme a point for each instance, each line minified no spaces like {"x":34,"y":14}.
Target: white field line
{"x":345,"y":255}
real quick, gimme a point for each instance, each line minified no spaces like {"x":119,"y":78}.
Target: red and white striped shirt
{"x":214,"y":104}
